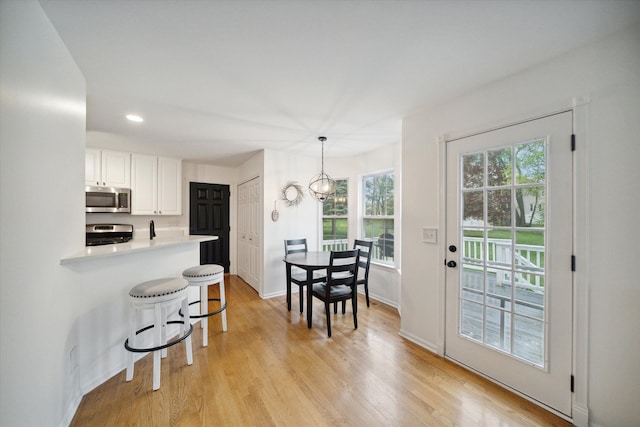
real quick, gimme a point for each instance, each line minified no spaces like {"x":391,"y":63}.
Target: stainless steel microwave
{"x":108,"y":199}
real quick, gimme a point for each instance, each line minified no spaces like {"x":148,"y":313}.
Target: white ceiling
{"x":218,"y":80}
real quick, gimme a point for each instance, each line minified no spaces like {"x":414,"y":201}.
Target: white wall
{"x":294,"y":222}
{"x":305,"y":219}
{"x":117,"y":142}
{"x":42,"y":139}
{"x":607,"y":74}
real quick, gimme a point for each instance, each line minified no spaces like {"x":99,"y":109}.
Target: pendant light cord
{"x":322,"y":140}
{"x":322,"y":163}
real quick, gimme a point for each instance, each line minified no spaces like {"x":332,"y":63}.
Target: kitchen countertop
{"x":135,"y":245}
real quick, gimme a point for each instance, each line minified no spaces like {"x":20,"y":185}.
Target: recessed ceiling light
{"x":134,"y":118}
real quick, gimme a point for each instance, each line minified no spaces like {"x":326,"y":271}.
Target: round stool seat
{"x":162,"y":289}
{"x":202,"y":272}
{"x":203,"y":276}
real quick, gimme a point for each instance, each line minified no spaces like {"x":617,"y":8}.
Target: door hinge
{"x":572,"y":383}
{"x":573,"y":142}
{"x":573,"y":263}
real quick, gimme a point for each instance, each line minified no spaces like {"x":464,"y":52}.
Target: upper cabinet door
{"x":144,"y":185}
{"x":169,"y":186}
{"x":92,"y":167}
{"x":106,"y":168}
{"x":156,"y":185}
{"x":116,"y":169}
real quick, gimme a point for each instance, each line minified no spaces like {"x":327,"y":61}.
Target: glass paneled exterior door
{"x":509,"y":244}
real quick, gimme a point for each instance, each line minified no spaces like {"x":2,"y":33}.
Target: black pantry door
{"x":209,"y":215}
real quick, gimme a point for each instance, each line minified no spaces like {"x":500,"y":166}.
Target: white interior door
{"x":509,"y":251}
{"x":249,"y":234}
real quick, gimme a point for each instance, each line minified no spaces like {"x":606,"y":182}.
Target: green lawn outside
{"x":535,"y":238}
{"x":336,"y":228}
{"x":341,"y":228}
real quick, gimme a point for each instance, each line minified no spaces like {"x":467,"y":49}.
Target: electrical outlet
{"x":429,"y":235}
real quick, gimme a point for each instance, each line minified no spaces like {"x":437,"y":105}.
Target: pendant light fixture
{"x":322,"y":186}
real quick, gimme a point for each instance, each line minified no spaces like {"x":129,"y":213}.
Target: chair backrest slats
{"x":364,"y":260}
{"x":342,"y":262}
{"x":294,"y":246}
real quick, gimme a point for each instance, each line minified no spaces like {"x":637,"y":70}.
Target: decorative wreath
{"x":292,"y":193}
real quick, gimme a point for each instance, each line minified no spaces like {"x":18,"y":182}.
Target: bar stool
{"x":203,"y":276}
{"x":158,"y":295}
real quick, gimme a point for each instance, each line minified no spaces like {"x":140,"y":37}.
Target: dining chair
{"x":364,"y":262}
{"x":340,"y":284}
{"x":298,"y":275}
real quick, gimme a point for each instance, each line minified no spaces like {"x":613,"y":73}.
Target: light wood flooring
{"x":268,"y":369}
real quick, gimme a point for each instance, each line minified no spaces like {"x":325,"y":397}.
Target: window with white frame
{"x":335,"y":218}
{"x":378,"y":215}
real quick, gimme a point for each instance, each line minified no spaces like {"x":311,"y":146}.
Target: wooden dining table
{"x":310,"y":262}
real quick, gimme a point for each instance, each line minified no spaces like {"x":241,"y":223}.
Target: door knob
{"x":452,"y":248}
{"x":451,"y":264}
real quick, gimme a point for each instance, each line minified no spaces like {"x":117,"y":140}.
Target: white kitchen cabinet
{"x":144,"y":185}
{"x":156,"y":185}
{"x":169,"y":186}
{"x":92,"y":168}
{"x":107,"y":168}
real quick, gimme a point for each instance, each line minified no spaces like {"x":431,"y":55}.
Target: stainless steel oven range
{"x":107,"y":234}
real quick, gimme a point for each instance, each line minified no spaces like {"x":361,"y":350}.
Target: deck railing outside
{"x":335,"y":245}
{"x":343,"y":245}
{"x":529,"y":260}
{"x":526,"y":296}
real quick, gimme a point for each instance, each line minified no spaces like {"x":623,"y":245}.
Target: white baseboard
{"x":385,"y":301}
{"x":277,"y":294}
{"x":414,"y":339}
